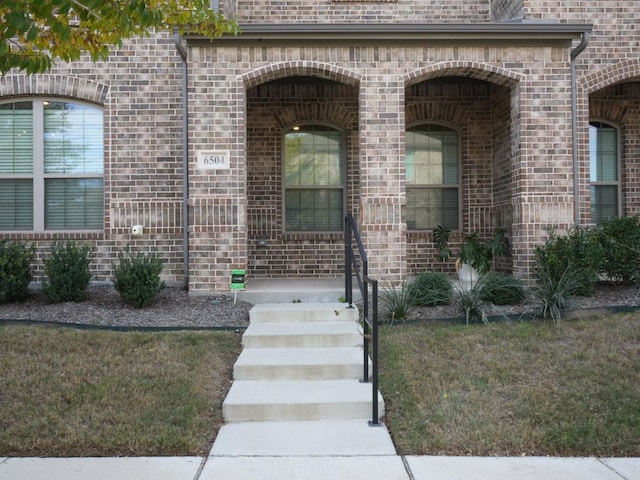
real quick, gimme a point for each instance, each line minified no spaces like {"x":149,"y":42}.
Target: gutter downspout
{"x":574,"y":124}
{"x":185,"y":159}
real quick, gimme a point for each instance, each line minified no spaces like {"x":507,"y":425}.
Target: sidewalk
{"x":390,"y":467}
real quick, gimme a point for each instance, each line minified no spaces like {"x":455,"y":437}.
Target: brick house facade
{"x":515,"y":82}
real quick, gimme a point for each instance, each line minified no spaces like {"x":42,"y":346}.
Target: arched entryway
{"x":611,"y":183}
{"x":460,"y":171}
{"x":302,"y":171}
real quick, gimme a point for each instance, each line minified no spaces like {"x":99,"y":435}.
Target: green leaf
{"x":102,"y":24}
{"x":32,"y":33}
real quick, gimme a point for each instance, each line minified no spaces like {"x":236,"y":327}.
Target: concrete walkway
{"x":298,"y":387}
{"x":386,"y":467}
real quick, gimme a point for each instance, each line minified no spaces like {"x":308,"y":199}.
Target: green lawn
{"x":514,"y":388}
{"x":499,"y":389}
{"x":66,"y":392}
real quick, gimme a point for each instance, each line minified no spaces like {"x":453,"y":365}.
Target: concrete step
{"x":302,"y":312}
{"x":288,"y":290}
{"x":258,"y":401}
{"x":313,"y":438}
{"x":304,"y":334}
{"x":299,"y":364}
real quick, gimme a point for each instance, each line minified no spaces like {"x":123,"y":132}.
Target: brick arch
{"x":442,"y":112}
{"x":476,"y":70}
{"x":610,"y":75}
{"x":612,"y":111}
{"x":337,"y":115}
{"x":54,"y":85}
{"x":299,"y":68}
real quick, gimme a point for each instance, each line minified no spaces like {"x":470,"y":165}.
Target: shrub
{"x":501,"y":289}
{"x":15,"y":270}
{"x":620,"y":238}
{"x":431,"y":288}
{"x":582,"y":249}
{"x":554,"y":290}
{"x":67,"y":273}
{"x":397,"y":304}
{"x":137,"y":278}
{"x":469,"y":301}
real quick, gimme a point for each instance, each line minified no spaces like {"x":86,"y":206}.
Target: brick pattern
{"x":511,"y":104}
{"x":140,"y":92}
{"x":506,"y":10}
{"x":367,"y":11}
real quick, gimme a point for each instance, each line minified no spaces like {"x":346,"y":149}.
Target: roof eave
{"x":542,"y":32}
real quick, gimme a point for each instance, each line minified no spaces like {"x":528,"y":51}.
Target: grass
{"x":497,"y":389}
{"x":514,"y":388}
{"x":66,"y":392}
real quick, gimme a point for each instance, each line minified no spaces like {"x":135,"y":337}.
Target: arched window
{"x":314,"y":179}
{"x":432,"y":172}
{"x":604,"y":157}
{"x":51,"y":166}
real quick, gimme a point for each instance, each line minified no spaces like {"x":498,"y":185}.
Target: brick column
{"x":382,"y":170}
{"x":543,"y":194}
{"x":217,"y":197}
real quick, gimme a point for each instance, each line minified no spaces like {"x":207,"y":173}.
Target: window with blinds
{"x":314,"y":179}
{"x":432,"y":177}
{"x":604,"y":171}
{"x":51,"y":166}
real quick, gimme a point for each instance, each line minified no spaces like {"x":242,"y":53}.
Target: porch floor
{"x":288,"y":290}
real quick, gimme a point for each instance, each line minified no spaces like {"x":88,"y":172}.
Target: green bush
{"x":431,"y":288}
{"x":137,"y":278}
{"x":582,"y":249}
{"x":620,"y":238}
{"x":501,"y":289}
{"x":67,"y":273}
{"x":554,"y":290}
{"x":468,"y":299}
{"x":15,"y":270}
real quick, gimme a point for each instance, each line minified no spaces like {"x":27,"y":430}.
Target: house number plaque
{"x":213,"y":160}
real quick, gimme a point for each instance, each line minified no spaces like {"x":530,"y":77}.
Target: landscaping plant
{"x":473,"y":251}
{"x":578,"y":254}
{"x":15,"y":270}
{"x":137,"y":278}
{"x":67,"y":273}
{"x":397,"y":303}
{"x":620,"y":239}
{"x":502,"y":289}
{"x":431,"y":288}
{"x":554,"y":290}
{"x":468,"y":299}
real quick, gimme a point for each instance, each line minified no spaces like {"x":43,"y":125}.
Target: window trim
{"x":618,"y":183}
{"x":343,"y":153}
{"x":39,"y":176}
{"x":439,"y":186}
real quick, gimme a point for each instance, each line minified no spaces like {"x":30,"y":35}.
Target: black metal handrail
{"x":370,"y":323}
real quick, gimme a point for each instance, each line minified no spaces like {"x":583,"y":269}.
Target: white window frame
{"x":618,"y":182}
{"x":343,"y":173}
{"x":441,"y":186}
{"x":38,"y":176}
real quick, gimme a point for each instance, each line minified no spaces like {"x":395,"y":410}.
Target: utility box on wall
{"x":238,"y":279}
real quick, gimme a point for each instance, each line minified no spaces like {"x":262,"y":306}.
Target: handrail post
{"x":365,"y":328}
{"x":369,"y":325}
{"x":374,"y":376}
{"x":348,"y":275}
